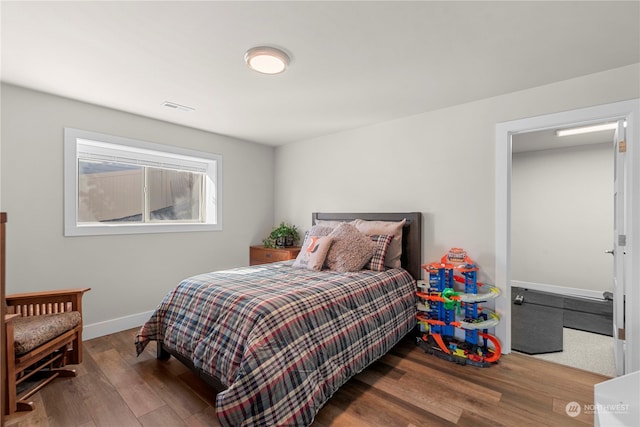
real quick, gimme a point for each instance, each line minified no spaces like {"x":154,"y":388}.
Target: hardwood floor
{"x":407,"y":387}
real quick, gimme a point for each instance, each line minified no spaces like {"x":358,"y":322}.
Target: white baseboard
{"x":560,"y":290}
{"x":112,"y":326}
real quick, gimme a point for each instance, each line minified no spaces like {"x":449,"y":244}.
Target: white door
{"x":619,"y":243}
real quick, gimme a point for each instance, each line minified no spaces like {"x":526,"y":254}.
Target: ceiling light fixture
{"x":586,"y":129}
{"x":266,"y":60}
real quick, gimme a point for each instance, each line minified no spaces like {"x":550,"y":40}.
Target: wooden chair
{"x":43,"y":333}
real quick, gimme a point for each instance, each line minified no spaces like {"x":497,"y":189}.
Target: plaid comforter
{"x":282,"y":340}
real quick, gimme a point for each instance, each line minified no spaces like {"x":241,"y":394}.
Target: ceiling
{"x":353,"y":63}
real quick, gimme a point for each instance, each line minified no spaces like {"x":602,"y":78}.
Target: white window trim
{"x":213,"y":200}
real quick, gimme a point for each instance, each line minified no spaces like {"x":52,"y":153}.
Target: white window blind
{"x":111,"y":153}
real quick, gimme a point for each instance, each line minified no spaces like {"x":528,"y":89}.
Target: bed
{"x":276,"y":341}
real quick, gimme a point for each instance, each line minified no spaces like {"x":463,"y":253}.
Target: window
{"x":116,"y":185}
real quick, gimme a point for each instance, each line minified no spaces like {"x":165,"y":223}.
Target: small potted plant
{"x":281,"y":236}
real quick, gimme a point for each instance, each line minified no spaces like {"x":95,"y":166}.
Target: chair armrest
{"x":9,"y":317}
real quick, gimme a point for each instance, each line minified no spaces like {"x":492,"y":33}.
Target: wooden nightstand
{"x":262,"y":255}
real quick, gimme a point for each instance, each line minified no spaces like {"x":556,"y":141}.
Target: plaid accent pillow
{"x":382,"y":242}
{"x":385,"y":227}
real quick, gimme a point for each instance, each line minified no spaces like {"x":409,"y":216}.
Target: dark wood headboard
{"x":411,"y":234}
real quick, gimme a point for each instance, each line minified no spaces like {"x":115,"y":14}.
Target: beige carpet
{"x":585,"y":350}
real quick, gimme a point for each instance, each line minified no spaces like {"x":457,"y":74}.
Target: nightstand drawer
{"x":262,"y":255}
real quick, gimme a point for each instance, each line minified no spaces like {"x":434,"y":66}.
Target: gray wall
{"x":441,"y":163}
{"x":562,"y":217}
{"x":128,"y":274}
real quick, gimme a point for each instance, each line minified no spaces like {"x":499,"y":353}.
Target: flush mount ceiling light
{"x":266,"y":60}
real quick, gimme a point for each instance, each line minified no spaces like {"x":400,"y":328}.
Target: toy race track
{"x":442,"y":309}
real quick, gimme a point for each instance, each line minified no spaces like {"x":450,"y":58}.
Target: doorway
{"x":561,"y":227}
{"x":627,"y":335}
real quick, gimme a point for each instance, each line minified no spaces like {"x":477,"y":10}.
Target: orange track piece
{"x":436,"y":297}
{"x":496,"y":343}
{"x":441,"y":344}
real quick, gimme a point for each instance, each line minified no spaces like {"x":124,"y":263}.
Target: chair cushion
{"x":33,"y":331}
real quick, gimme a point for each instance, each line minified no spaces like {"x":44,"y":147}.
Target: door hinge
{"x":622,"y":146}
{"x":621,"y":334}
{"x":622,"y":239}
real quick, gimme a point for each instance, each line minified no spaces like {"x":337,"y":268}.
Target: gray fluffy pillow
{"x":350,"y":250}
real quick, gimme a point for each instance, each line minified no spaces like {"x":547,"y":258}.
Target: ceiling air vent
{"x":175,"y":106}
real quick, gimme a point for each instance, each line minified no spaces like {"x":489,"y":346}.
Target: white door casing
{"x":624,"y":110}
{"x":619,"y":244}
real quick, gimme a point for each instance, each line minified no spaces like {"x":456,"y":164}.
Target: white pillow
{"x":314,"y":253}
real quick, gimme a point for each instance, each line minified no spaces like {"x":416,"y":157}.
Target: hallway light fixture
{"x":266,"y":60}
{"x":586,"y":129}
